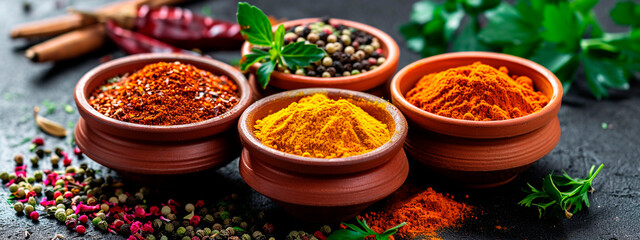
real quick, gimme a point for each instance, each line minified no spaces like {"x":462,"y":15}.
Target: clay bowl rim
{"x":550,"y":108}
{"x":243,"y":88}
{"x":393,"y":52}
{"x":400,"y":132}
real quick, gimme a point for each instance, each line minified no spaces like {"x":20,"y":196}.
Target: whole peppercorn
{"x":185,"y":238}
{"x":332,"y":38}
{"x":168,"y":228}
{"x":181,"y":231}
{"x":381,"y":60}
{"x":71,"y":223}
{"x":164,"y":237}
{"x":55,"y":159}
{"x":32,"y":201}
{"x":19,"y":159}
{"x":224,"y":234}
{"x":166,"y":210}
{"x":326,"y":74}
{"x":83,"y":219}
{"x":150,"y":237}
{"x":125,"y":229}
{"x":189,"y":207}
{"x":104,"y":207}
{"x":157,"y":223}
{"x":300,"y":71}
{"x":325,"y":230}
{"x":4,"y":176}
{"x":20,"y":193}
{"x":236,"y":221}
{"x":38,"y":175}
{"x":37,"y":188}
{"x":13,"y":188}
{"x":81,"y":229}
{"x":246,"y":237}
{"x":201,"y":233}
{"x":61,"y":215}
{"x":244,"y":225}
{"x":208,"y":219}
{"x":331,"y":70}
{"x":103,"y":225}
{"x":313,"y":37}
{"x":122,"y":198}
{"x":327,"y":61}
{"x":69,"y":211}
{"x":28,"y":209}
{"x":357,"y":66}
{"x":231,"y":230}
{"x":267,"y":228}
{"x":217,"y":226}
{"x":195,"y":220}
{"x":96,"y":220}
{"x":18,"y":206}
{"x":34,"y":215}
{"x":171,"y":216}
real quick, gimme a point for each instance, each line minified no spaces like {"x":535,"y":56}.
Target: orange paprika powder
{"x":477,"y":92}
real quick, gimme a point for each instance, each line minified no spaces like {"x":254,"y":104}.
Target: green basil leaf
{"x":344,"y":234}
{"x":300,"y":54}
{"x":561,"y":26}
{"x":278,"y":38}
{"x":422,"y":12}
{"x":626,"y":13}
{"x":251,"y":58}
{"x":264,"y":73}
{"x":467,"y":39}
{"x":528,"y":13}
{"x":254,"y":25}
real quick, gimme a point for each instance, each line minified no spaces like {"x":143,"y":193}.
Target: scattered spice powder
{"x":425,"y":211}
{"x":477,"y":92}
{"x":317,"y":126}
{"x":165,"y":94}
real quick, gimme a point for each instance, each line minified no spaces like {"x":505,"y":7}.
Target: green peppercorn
{"x":32,"y":201}
{"x":4,"y":176}
{"x":38,"y":175}
{"x":217,"y":227}
{"x":189,"y":207}
{"x":18,"y":206}
{"x":164,"y":238}
{"x":59,"y":199}
{"x":12,"y":176}
{"x":151,"y":237}
{"x":326,"y":230}
{"x":96,"y":220}
{"x":51,"y":211}
{"x":13,"y":188}
{"x":122,"y":198}
{"x":207,"y":231}
{"x":31,"y":180}
{"x":381,"y":60}
{"x":20,"y":193}
{"x":181,"y":231}
{"x":34,"y":160}
{"x":208,"y":219}
{"x":101,"y":215}
{"x":185,"y":238}
{"x":168,"y":227}
{"x":69,"y":211}
{"x":157,"y":223}
{"x":355,"y":71}
{"x":166,"y":210}
{"x":224,"y":234}
{"x":19,"y":159}
{"x":28,"y":209}
{"x":61,"y":215}
{"x":103,"y":225}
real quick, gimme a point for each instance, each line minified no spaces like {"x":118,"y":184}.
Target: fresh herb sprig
{"x":255,"y":26}
{"x":560,"y":35}
{"x":354,"y":232}
{"x":561,"y":193}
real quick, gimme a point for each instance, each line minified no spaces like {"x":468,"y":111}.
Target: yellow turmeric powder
{"x":477,"y":92}
{"x":317,"y":126}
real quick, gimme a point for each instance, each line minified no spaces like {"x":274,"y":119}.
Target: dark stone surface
{"x":614,"y":212}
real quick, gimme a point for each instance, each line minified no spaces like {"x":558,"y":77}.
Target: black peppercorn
{"x":336,"y":56}
{"x":338,"y":66}
{"x":348,"y":67}
{"x":323,"y":36}
{"x":320,"y":69}
{"x":125,"y":229}
{"x":306,"y":32}
{"x":365,"y":64}
{"x":311,"y":73}
{"x":357,"y":66}
{"x":332,"y":71}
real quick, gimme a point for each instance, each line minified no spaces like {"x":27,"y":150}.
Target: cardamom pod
{"x":48,"y":126}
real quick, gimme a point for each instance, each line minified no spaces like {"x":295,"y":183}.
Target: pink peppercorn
{"x":83,"y":219}
{"x":57,"y":194}
{"x":81,"y":229}
{"x":379,"y":50}
{"x":195,"y":220}
{"x":38,"y":141}
{"x":372,"y":61}
{"x":68,"y":194}
{"x":77,"y":151}
{"x":34,"y":215}
{"x":66,"y":161}
{"x":327,"y":31}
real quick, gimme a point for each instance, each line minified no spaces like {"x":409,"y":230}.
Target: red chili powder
{"x":425,"y":212}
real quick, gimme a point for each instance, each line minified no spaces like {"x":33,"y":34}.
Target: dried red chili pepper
{"x":134,"y":43}
{"x":183,"y":28}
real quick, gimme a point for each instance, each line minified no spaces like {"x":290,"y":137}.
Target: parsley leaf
{"x":561,"y":193}
{"x":363,"y":231}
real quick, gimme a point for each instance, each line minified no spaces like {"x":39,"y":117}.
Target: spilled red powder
{"x":425,"y":211}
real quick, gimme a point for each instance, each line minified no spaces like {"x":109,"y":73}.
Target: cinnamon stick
{"x":69,"y":45}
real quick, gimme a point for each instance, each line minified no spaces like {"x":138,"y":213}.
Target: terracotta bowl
{"x":479,"y":153}
{"x":373,"y":81}
{"x":136,"y":149}
{"x":317,"y":189}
